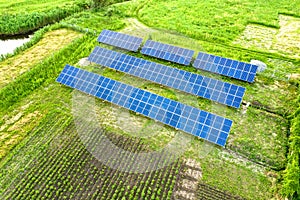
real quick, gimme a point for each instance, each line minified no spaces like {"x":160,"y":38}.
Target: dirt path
{"x":135,"y":27}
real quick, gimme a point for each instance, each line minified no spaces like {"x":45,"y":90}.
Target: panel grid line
{"x":212,"y":89}
{"x":200,"y":123}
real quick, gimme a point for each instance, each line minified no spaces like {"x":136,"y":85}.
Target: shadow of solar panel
{"x":120,"y":40}
{"x":227,"y":67}
{"x":168,"y":52}
{"x":199,"y":123}
{"x":215,"y":90}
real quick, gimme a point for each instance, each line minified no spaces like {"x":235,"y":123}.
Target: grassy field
{"x":215,"y":20}
{"x":36,"y":118}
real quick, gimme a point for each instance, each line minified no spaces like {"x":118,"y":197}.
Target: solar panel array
{"x":167,"y":52}
{"x":219,"y":91}
{"x":186,"y":118}
{"x":180,"y":116}
{"x":121,"y":40}
{"x":227,"y":67}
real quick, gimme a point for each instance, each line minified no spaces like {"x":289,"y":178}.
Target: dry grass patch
{"x":285,"y":40}
{"x":288,"y":37}
{"x":11,"y":136}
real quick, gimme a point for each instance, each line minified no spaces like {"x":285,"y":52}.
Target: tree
{"x":291,"y":185}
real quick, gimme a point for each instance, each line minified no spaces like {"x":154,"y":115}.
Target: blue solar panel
{"x":168,"y":52}
{"x":121,"y":40}
{"x":227,"y":67}
{"x":215,"y":90}
{"x":203,"y":124}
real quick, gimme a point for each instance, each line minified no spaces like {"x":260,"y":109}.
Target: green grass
{"x":217,"y":21}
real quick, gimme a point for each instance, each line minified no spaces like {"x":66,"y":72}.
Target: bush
{"x":291,"y":178}
{"x":24,"y":23}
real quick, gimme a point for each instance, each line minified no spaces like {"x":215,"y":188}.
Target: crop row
{"x":210,"y":193}
{"x":26,"y":152}
{"x":68,"y":171}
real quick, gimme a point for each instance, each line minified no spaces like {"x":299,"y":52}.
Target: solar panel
{"x":215,"y":90}
{"x":121,"y":40}
{"x":203,"y":124}
{"x":168,"y":52}
{"x":227,"y":67}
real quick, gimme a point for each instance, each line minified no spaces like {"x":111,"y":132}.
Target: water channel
{"x":9,"y":44}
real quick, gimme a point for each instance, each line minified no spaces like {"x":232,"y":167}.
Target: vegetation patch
{"x":261,"y":137}
{"x":19,"y":159}
{"x":257,"y":36}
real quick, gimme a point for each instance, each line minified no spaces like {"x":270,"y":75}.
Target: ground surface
{"x":37,"y":114}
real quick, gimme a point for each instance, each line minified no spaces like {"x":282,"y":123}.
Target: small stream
{"x":9,"y":44}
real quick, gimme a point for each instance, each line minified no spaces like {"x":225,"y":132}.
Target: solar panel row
{"x":186,"y":118}
{"x":227,"y":67}
{"x":121,"y":40}
{"x":215,"y":90}
{"x":167,"y":52}
{"x":219,"y":65}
